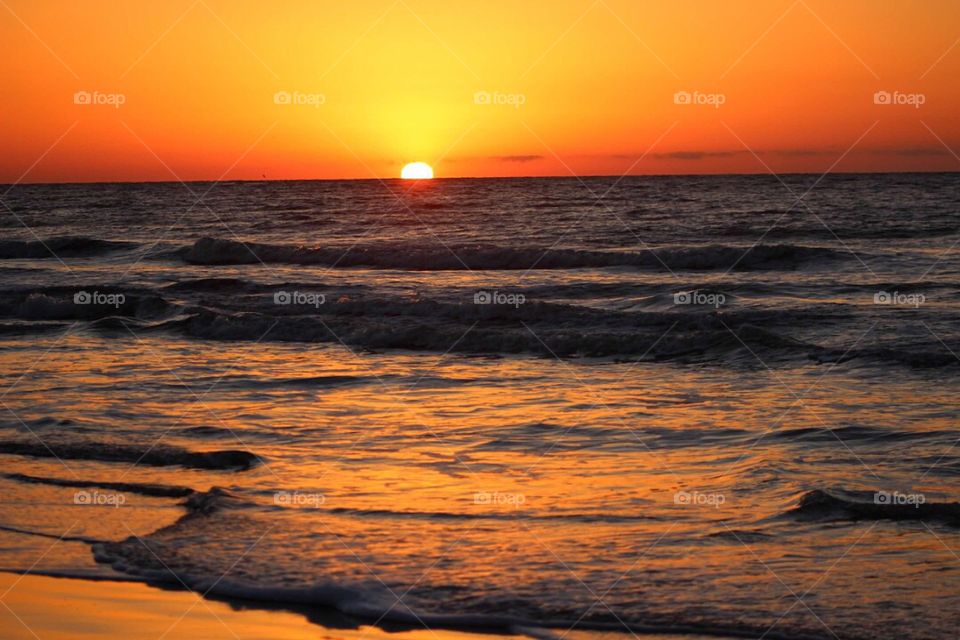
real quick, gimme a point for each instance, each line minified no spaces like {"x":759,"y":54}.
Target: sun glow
{"x":417,"y":171}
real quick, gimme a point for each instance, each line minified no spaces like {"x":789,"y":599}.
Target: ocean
{"x":723,"y":406}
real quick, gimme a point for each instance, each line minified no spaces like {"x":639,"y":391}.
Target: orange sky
{"x":584,"y":87}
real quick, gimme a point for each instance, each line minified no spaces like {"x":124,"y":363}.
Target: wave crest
{"x":60,"y":246}
{"x":217,"y":251}
{"x":151,"y":456}
{"x":839,"y":504}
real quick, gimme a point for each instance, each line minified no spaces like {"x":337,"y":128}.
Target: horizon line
{"x":527,"y":177}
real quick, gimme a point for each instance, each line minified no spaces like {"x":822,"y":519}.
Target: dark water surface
{"x":725,"y":405}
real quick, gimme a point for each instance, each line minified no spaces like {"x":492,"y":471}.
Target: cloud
{"x":517,"y":158}
{"x":802,"y":153}
{"x":520,"y":159}
{"x":906,"y":152}
{"x":915,"y":152}
{"x":678,"y":155}
{"x":698,"y":155}
{"x":695,"y":155}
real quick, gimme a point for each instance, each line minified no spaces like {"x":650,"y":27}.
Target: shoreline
{"x":62,"y":608}
{"x":34,"y":606}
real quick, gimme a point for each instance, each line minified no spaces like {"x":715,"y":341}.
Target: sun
{"x":417,"y":171}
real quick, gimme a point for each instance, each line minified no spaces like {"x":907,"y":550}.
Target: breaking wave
{"x":152,"y":456}
{"x":61,"y":246}
{"x":215,"y":251}
{"x":83,"y":303}
{"x":153,"y":490}
{"x":155,"y":559}
{"x":839,"y":504}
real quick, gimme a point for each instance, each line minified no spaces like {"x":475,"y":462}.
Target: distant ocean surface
{"x":724,"y":406}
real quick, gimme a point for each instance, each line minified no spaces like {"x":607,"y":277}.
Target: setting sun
{"x":417,"y":171}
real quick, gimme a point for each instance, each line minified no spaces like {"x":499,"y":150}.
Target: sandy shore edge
{"x":34,"y":607}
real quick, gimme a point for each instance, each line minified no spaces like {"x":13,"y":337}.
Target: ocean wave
{"x":49,"y":536}
{"x":875,"y":232}
{"x":852,"y":433}
{"x":60,"y":246}
{"x":83,"y":303}
{"x":659,"y":330}
{"x":451,"y":515}
{"x":307,"y":382}
{"x":214,"y":251}
{"x":926,"y":356}
{"x":148,"y":455}
{"x":545,"y":437}
{"x":739,"y":535}
{"x":224,"y":286}
{"x":162,"y":558}
{"x":30,"y":328}
{"x":840,"y":504}
{"x":215,"y":285}
{"x":638,"y":334}
{"x":383,"y":609}
{"x":153,"y":490}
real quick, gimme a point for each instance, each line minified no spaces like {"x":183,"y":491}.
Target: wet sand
{"x":34,"y":607}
